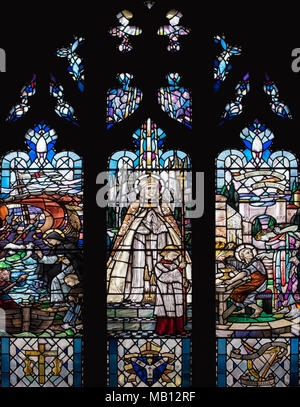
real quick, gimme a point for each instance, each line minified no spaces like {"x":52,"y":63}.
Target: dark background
{"x":30,"y":38}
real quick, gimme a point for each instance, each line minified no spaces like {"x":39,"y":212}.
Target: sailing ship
{"x":60,"y":212}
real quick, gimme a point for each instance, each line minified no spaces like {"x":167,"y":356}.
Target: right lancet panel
{"x":257,"y":258}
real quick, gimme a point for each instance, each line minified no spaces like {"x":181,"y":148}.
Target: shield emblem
{"x":150,"y":369}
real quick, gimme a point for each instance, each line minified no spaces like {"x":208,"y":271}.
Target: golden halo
{"x":53,"y":230}
{"x":170,"y":248}
{"x":128,"y":14}
{"x":171,"y":13}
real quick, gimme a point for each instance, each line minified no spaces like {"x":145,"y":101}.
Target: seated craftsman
{"x":253,"y":277}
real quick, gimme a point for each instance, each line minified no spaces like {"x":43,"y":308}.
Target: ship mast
{"x":24,"y":208}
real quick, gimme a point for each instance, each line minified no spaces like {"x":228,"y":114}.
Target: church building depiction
{"x":257,"y":244}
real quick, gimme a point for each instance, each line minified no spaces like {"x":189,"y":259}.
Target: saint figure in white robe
{"x":147,"y":228}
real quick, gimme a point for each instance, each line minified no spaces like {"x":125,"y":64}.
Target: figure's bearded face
{"x":247,"y":255}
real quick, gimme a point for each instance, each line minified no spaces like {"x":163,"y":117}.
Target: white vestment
{"x":148,"y":233}
{"x":169,"y":294}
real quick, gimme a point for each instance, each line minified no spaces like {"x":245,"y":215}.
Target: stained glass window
{"x":277,"y":106}
{"x":149,"y":363}
{"x":21,"y":108}
{"x":125,"y":31}
{"x":176,"y":100}
{"x":62,"y":108}
{"x":75,"y":63}
{"x":235,"y":107}
{"x":34,"y":362}
{"x":123,"y":101}
{"x":41,"y":240}
{"x":149,"y":235}
{"x":258,"y":362}
{"x":174,"y":31}
{"x":257,"y":244}
{"x":222,"y":64}
{"x":149,"y":264}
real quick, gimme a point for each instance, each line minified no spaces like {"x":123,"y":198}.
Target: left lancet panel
{"x":41,"y":265}
{"x":149,"y":268}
